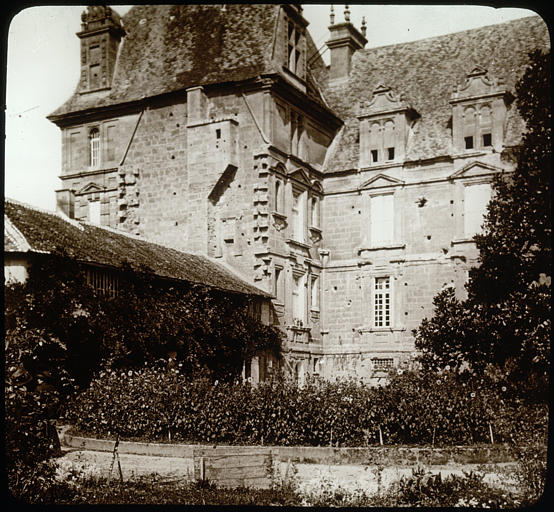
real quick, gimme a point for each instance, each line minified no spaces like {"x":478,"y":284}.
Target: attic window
{"x":374,"y":156}
{"x":295,"y":49}
{"x":469,"y":142}
{"x":487,"y":140}
{"x":390,"y":153}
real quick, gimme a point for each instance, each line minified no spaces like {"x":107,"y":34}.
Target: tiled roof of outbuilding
{"x":426,"y":72}
{"x":173,"y":47}
{"x":28,"y":229}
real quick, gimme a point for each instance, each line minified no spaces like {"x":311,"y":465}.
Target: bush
{"x":424,"y":489}
{"x":161,"y":404}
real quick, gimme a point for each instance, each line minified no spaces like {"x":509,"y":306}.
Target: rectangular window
{"x":382,"y":220}
{"x":315,"y":212}
{"x":374,"y":156}
{"x":382,"y":302}
{"x":296,"y":129}
{"x":110,"y":142}
{"x":279,"y":289}
{"x":73,"y":149}
{"x":476,"y":199}
{"x":103,"y":281}
{"x":299,"y":298}
{"x":94,"y":212}
{"x":294,"y":49}
{"x":315,"y":292}
{"x":390,"y":153}
{"x":487,"y":140}
{"x":299,"y":216}
{"x":382,"y":363}
{"x":469,"y":142}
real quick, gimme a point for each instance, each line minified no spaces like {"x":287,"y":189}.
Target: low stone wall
{"x":371,"y":455}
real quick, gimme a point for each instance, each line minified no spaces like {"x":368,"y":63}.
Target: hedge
{"x":162,"y":404}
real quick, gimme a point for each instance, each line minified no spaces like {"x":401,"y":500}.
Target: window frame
{"x":95,"y":154}
{"x":299,"y":215}
{"x":371,"y":237}
{"x":390,"y":309}
{"x":467,"y":235}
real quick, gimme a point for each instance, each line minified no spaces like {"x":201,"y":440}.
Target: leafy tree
{"x":505,"y":321}
{"x":205,"y":329}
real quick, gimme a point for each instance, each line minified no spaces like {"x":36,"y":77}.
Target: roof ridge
{"x":449,"y":34}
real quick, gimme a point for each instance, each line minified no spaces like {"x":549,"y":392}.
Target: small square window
{"x":390,"y":153}
{"x":374,"y":155}
{"x":469,"y":142}
{"x":487,"y":140}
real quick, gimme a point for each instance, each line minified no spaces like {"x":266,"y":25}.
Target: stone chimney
{"x":344,"y":41}
{"x":101,"y":32}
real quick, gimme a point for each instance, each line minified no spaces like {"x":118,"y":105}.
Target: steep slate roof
{"x":426,"y":72}
{"x":173,"y":47}
{"x":27,"y":229}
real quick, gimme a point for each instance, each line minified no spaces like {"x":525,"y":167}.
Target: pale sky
{"x":43,"y":70}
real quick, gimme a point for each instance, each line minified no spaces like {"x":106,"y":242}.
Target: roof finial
{"x":346,"y":13}
{"x":332,"y":15}
{"x":364,"y":28}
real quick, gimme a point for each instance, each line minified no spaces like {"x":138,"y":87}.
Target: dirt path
{"x":309,"y":476}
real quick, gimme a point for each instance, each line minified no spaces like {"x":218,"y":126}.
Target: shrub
{"x":156,"y":404}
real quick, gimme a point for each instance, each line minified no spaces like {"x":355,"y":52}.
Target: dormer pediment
{"x":475,"y":169}
{"x":380,"y":181}
{"x":301,"y":176}
{"x":477,"y":84}
{"x":90,"y":188}
{"x":383,"y":101}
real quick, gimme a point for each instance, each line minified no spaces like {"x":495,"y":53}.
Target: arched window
{"x":94,"y":141}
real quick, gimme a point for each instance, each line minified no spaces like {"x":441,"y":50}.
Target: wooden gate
{"x":229,"y":466}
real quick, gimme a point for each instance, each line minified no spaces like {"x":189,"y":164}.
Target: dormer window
{"x":384,"y":126}
{"x":94,"y":147}
{"x":295,"y":43}
{"x":478,"y":113}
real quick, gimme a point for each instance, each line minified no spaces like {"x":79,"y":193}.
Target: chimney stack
{"x":344,"y":41}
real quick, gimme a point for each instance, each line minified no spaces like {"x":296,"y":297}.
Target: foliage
{"x":505,"y":320}
{"x":420,"y":489}
{"x":150,"y":489}
{"x":425,"y":489}
{"x":205,"y":329}
{"x":32,"y":400}
{"x":157,"y":404}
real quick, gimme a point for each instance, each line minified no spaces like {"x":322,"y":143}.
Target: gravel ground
{"x":309,"y":476}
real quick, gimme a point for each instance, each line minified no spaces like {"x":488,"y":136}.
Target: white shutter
{"x":94,"y":212}
{"x":476,"y":198}
{"x":382,"y":220}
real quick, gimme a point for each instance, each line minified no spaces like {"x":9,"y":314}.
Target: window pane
{"x":381,"y":302}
